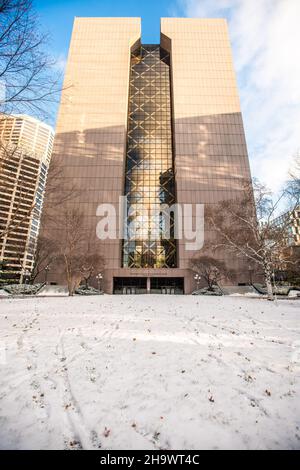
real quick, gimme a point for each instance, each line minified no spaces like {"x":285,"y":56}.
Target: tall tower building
{"x":158,"y":124}
{"x":25,"y":153}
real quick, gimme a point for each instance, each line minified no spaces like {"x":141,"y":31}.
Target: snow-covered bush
{"x":215,"y":290}
{"x":23,"y":289}
{"x":83,"y":290}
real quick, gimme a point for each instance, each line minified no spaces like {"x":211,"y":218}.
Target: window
{"x":150,"y":177}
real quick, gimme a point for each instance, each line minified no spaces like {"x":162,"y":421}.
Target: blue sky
{"x":57,"y":16}
{"x":265,"y":37}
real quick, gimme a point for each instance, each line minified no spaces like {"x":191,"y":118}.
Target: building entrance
{"x":156,"y":285}
{"x":130,"y":285}
{"x":167,"y":285}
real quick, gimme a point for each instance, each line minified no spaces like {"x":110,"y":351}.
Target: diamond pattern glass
{"x":150,"y":180}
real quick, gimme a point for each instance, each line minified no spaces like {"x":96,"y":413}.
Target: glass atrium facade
{"x":149,"y":180}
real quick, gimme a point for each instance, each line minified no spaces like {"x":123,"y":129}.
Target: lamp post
{"x":47,"y":269}
{"x":99,"y":278}
{"x":197,"y":278}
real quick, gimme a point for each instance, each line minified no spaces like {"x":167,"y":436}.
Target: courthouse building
{"x":156,"y":123}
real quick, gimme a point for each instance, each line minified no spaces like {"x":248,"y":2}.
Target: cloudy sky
{"x":265,"y":35}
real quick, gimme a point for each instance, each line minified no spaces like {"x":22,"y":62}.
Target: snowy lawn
{"x":149,"y":372}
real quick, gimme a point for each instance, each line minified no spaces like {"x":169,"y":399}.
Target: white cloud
{"x":60,"y":63}
{"x":265,"y":36}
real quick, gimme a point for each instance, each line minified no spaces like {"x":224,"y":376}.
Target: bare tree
{"x":59,"y":190}
{"x":71,"y":240}
{"x":246,"y":227}
{"x":210,"y":269}
{"x":28,"y":82}
{"x":74,"y":249}
{"x":92,"y":263}
{"x":55,"y":181}
{"x":27,"y":77}
{"x":24,"y":203}
{"x":45,"y":254}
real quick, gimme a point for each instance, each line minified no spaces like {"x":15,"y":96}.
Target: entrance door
{"x":167,"y":285}
{"x":130,"y":285}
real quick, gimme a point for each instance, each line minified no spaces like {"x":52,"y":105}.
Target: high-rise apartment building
{"x":25,"y":153}
{"x":290,"y":221}
{"x":158,"y":124}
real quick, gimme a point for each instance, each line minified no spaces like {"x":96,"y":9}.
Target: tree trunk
{"x":70,"y":288}
{"x":209,"y":283}
{"x":69,"y":277}
{"x":268,"y":279}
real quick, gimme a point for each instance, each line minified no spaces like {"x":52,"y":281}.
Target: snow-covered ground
{"x":149,"y":372}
